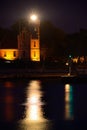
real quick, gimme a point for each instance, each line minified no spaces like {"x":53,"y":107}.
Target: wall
{"x":9,"y":54}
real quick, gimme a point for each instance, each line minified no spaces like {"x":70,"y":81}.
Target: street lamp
{"x":70,"y":62}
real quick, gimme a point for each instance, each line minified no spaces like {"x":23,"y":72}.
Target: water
{"x":42,"y":104}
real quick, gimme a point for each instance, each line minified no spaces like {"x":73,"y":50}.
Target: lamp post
{"x":70,"y":60}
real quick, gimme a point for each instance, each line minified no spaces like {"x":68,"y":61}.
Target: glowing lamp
{"x":33,"y":17}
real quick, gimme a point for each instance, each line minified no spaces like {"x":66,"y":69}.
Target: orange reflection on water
{"x":9,"y":109}
{"x":9,"y":113}
{"x":9,"y":99}
{"x":8,"y":84}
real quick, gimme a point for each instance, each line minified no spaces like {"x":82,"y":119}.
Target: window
{"x":34,"y":53}
{"x":14,"y":53}
{"x":4,"y":54}
{"x":34,"y":44}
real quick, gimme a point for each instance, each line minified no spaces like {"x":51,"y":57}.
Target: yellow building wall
{"x":35,"y":50}
{"x":35,"y":43}
{"x":35,"y":55}
{"x":9,"y":54}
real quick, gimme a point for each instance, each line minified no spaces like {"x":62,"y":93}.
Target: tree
{"x":53,"y":38}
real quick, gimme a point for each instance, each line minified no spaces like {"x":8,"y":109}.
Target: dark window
{"x":34,"y":44}
{"x":14,"y":53}
{"x":4,"y":54}
{"x":34,"y":53}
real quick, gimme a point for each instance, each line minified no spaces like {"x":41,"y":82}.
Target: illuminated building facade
{"x":28,"y":44}
{"x":35,"y":50}
{"x":9,"y":54}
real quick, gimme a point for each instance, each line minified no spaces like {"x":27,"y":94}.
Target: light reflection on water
{"x":34,"y":126}
{"x":9,"y":109}
{"x":68,"y":102}
{"x":28,"y":111}
{"x":7,"y":101}
{"x":34,"y":117}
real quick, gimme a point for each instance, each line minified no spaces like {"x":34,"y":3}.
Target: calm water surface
{"x":46,"y":104}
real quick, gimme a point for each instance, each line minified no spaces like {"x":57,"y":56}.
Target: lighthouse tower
{"x":29,"y":40}
{"x":34,"y":38}
{"x":23,"y":44}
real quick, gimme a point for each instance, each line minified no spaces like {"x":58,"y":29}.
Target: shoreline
{"x":37,"y":75}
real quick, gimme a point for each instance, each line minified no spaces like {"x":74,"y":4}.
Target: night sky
{"x":68,"y":15}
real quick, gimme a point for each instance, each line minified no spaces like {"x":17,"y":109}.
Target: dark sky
{"x":68,"y":15}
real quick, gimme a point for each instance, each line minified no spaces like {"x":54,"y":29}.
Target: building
{"x":28,"y":45}
{"x":9,"y":54}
